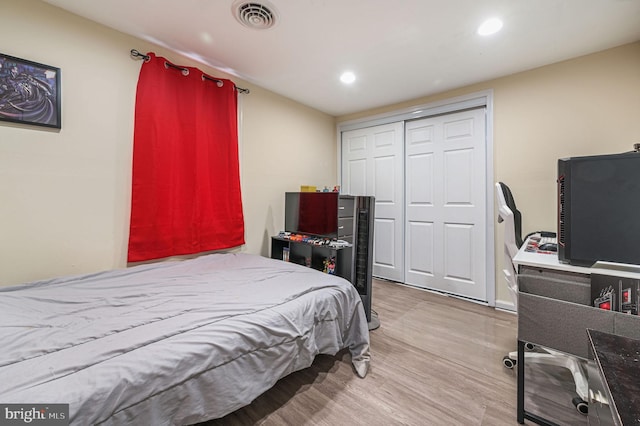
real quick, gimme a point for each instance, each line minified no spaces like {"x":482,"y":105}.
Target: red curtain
{"x":186,"y":181}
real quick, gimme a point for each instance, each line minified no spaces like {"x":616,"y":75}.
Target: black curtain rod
{"x":137,"y":54}
{"x":184,"y":71}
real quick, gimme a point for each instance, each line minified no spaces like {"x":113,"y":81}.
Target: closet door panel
{"x":357,"y":175}
{"x":372,"y":164}
{"x":445,"y":181}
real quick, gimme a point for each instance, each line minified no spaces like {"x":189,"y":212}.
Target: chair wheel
{"x":529,"y":346}
{"x":581,"y":405}
{"x":508,"y":362}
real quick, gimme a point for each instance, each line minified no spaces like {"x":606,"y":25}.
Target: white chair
{"x":509,"y":215}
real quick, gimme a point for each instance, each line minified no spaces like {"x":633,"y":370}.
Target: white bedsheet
{"x":175,"y":342}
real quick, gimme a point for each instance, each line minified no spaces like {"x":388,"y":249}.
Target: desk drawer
{"x":345,"y":226}
{"x":345,"y":206}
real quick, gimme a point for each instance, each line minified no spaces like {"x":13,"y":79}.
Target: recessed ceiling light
{"x":490,"y":26}
{"x":348,"y":77}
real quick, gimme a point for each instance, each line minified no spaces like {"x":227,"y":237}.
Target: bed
{"x":176,"y":342}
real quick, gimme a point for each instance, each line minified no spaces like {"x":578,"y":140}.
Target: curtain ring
{"x":218,"y":82}
{"x":184,"y":71}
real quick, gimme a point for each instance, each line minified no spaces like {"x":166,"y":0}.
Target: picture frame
{"x":29,"y":92}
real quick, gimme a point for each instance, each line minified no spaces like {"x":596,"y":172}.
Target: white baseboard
{"x":506,"y":305}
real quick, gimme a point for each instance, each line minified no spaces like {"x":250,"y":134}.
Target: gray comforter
{"x":175,"y":342}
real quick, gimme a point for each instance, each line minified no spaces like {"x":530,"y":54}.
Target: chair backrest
{"x":510,"y":216}
{"x":509,"y":202}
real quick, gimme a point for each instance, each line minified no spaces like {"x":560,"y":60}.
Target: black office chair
{"x":511,"y":216}
{"x":511,"y":204}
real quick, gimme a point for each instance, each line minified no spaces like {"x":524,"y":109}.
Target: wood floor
{"x":435,"y":360}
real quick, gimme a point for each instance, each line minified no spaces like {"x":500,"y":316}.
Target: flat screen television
{"x":311,"y":213}
{"x":599,"y":209}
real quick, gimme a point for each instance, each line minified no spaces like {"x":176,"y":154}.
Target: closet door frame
{"x":460,"y":103}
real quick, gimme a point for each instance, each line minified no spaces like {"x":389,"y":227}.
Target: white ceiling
{"x":399,"y":49}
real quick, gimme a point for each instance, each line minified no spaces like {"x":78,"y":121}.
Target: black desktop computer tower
{"x":599,"y":209}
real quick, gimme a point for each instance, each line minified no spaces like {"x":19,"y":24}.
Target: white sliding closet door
{"x":372,"y":160}
{"x":445,"y":241}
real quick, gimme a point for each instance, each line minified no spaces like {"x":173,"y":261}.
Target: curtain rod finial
{"x":137,"y":54}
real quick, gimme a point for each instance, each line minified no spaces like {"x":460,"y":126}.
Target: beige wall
{"x":65,"y":195}
{"x":588,"y":105}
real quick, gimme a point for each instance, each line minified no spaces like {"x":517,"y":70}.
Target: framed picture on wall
{"x":29,"y":92}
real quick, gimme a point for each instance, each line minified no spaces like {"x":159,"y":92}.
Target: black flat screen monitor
{"x":311,"y":213}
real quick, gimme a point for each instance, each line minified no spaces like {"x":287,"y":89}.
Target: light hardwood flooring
{"x":435,"y":360}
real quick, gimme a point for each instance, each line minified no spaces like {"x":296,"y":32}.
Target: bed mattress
{"x":176,"y":342}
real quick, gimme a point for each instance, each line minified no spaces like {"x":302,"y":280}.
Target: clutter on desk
{"x":311,"y":188}
{"x":313,"y":240}
{"x":542,"y":245}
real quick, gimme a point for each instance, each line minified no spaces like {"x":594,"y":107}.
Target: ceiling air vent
{"x":259,"y":16}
